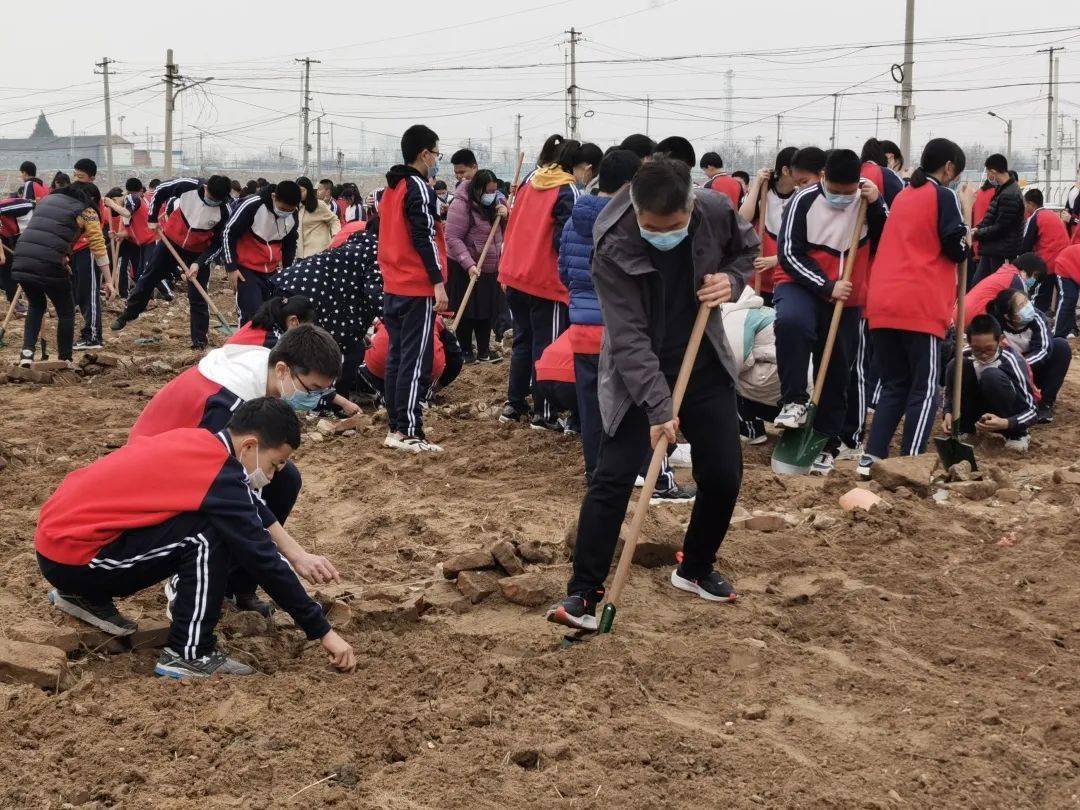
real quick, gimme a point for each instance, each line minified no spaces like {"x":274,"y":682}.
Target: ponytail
{"x":873,"y":152}
{"x":936,"y":153}
{"x":567,"y":156}
{"x":272,"y":315}
{"x":549,"y":150}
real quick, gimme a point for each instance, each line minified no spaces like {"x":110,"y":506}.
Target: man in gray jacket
{"x":662,"y":247}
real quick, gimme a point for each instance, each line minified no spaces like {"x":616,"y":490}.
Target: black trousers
{"x":1043,"y":294}
{"x":410,"y":324}
{"x":710,"y":421}
{"x":537,"y":323}
{"x":1050,"y":373}
{"x":862,"y":384}
{"x":158,"y":268}
{"x":909,"y":363}
{"x":87,"y":294}
{"x":252,"y":292}
{"x":993,"y":392}
{"x":186,"y":547}
{"x":753,"y":415}
{"x":986,"y":266}
{"x":454,"y":361}
{"x":1065,"y":318}
{"x":6,"y":282}
{"x":480,"y":328}
{"x":64,"y":304}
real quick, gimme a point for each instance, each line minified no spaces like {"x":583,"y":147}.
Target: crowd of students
{"x":595,"y":266}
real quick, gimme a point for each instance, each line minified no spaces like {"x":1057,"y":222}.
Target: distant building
{"x":53,"y":152}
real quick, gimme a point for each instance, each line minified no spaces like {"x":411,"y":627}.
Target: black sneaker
{"x":538,"y":422}
{"x":121,"y":321}
{"x":171,"y":665}
{"x":512,"y":414}
{"x":577,"y":611}
{"x":102,"y":615}
{"x":198,"y":347}
{"x":713,"y":587}
{"x":491,"y":357}
{"x":88,"y":345}
{"x":469,"y":359}
{"x":1045,"y":414}
{"x":676,"y":494}
{"x":249,"y":601}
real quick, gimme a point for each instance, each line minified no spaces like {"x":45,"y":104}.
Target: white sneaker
{"x":639,"y":482}
{"x":823,"y":464}
{"x":680,"y":459}
{"x":414,"y":444}
{"x":1018,"y":445}
{"x":393,"y":440}
{"x":793,"y":415}
{"x":866,"y":464}
{"x":848,"y":453}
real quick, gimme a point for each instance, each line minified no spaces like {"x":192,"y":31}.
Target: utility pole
{"x":170,"y":105}
{"x":835,"y":103}
{"x":104,"y":65}
{"x":201,"y":172}
{"x":648,"y":111}
{"x":778,"y":117}
{"x":877,"y":120}
{"x":1049,"y":115}
{"x":729,"y":104}
{"x":307,"y":61}
{"x":517,"y":134}
{"x":318,"y":148}
{"x":1076,"y":143}
{"x":333,"y":151}
{"x":491,"y":147}
{"x":572,"y":90}
{"x":121,"y":118}
{"x":758,"y":139}
{"x":906,"y":112}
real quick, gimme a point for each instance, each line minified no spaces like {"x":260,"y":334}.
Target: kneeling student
{"x":180,"y":504}
{"x":995,"y":395}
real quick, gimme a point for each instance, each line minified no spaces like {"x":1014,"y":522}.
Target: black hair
{"x":477,"y":188}
{"x":90,"y":191}
{"x":783,"y":159}
{"x":809,"y":159}
{"x":1034,"y":196}
{"x":154,"y":182}
{"x":77,"y":191}
{"x":1001,"y":305}
{"x":326,"y":181}
{"x":114,"y":192}
{"x":252,"y":187}
{"x":641,"y":145}
{"x":711,"y":160}
{"x":86,"y":165}
{"x":617,"y":169}
{"x":591,"y":154}
{"x":234,"y":185}
{"x":271,"y":420}
{"x":1014,"y":176}
{"x":678,"y":148}
{"x":566,"y":156}
{"x":661,"y":186}
{"x":997,"y":163}
{"x":549,"y":150}
{"x":272,"y":314}
{"x":440,"y":185}
{"x":890,"y":148}
{"x":350,"y":193}
{"x":744,"y":175}
{"x":287,"y":192}
{"x":218,"y":186}
{"x":29,"y":167}
{"x":873,"y":152}
{"x":984,"y":325}
{"x":842,"y":166}
{"x":308,"y":348}
{"x":310,"y":202}
{"x":261,"y":182}
{"x":133,"y":184}
{"x":463,"y":157}
{"x":1032,"y":264}
{"x":936,"y":153}
{"x":60,"y":180}
{"x":416,"y":139}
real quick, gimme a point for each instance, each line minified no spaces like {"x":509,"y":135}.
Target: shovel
{"x":949,"y":448}
{"x":10,"y":312}
{"x":763,"y":208}
{"x":223,"y":325}
{"x":797,"y":448}
{"x":658,"y":456}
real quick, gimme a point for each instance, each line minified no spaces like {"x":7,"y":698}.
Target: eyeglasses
{"x":322,"y":392}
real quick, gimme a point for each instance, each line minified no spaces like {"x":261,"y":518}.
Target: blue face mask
{"x":1026,"y":313}
{"x":210,"y":202}
{"x":840,"y":200}
{"x":994,"y":183}
{"x":301,"y":400}
{"x":665,"y":240}
{"x":487,"y":199}
{"x":1029,"y":284}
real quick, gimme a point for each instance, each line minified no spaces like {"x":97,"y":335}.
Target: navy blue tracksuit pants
{"x":1050,"y":374}
{"x":537,"y":323}
{"x":863,"y":384}
{"x":989,"y":392}
{"x":254,"y":290}
{"x":410,"y":325}
{"x":909,"y":363}
{"x":184,"y":546}
{"x":802,"y":326}
{"x":158,"y":268}
{"x":87,"y":294}
{"x":1065,"y":318}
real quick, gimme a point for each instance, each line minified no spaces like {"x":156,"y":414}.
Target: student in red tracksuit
{"x":815,"y":236}
{"x":911,"y":299}
{"x":1067,"y":268}
{"x":781,"y":187}
{"x":196,"y":212}
{"x":300,"y":369}
{"x":258,"y":240}
{"x":719,"y":180}
{"x":1022,"y":274}
{"x":529,"y":272}
{"x":412,"y":256}
{"x":555,"y":379}
{"x":15,"y":214}
{"x":1046,"y":235}
{"x":446,"y":363}
{"x":179,"y":505}
{"x":33,"y":188}
{"x":138,"y":237}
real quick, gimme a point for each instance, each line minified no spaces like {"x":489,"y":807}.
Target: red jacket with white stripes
{"x":774,"y":212}
{"x":138,"y":228}
{"x":1045,"y":235}
{"x":15,"y":213}
{"x":726,"y":184}
{"x":255,"y":238}
{"x":1068,"y":262}
{"x":412,"y":238}
{"x":153,"y":480}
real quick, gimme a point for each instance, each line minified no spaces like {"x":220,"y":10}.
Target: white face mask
{"x":257,"y":479}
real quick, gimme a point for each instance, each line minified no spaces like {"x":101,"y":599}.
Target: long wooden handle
{"x":472,"y":279}
{"x":194,"y":281}
{"x":958,"y":363}
{"x":838,"y":309}
{"x":11,"y":308}
{"x":659,"y":453}
{"x":763,"y":209}
{"x":517,"y":179}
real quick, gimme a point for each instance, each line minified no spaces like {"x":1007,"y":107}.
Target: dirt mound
{"x":924,"y":654}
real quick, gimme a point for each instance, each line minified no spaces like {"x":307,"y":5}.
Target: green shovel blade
{"x":952,"y":451}
{"x":797,"y":448}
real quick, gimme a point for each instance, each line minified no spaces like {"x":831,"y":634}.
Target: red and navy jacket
{"x":814,"y":240}
{"x":913,"y":284}
{"x":151,"y":481}
{"x":1045,"y":235}
{"x":251,"y":335}
{"x":257,"y":239}
{"x":774,"y":212}
{"x":1068,"y":263}
{"x":556,"y":363}
{"x":190,"y":223}
{"x":412,"y":235}
{"x":35,"y":189}
{"x":887,"y":181}
{"x":726,"y":184}
{"x":138,"y":229}
{"x":375,"y":356}
{"x":15,"y":213}
{"x":1016,"y":369}
{"x":978,"y":298}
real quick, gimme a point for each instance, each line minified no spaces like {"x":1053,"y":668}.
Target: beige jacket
{"x":316,"y":230}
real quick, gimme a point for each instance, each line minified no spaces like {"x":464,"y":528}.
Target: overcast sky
{"x":383,"y":70}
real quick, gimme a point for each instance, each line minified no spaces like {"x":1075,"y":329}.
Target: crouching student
{"x":995,"y":393}
{"x":446,"y":363}
{"x":300,"y":370}
{"x":1067,"y":269}
{"x":1026,"y":331}
{"x":662,"y":248}
{"x":555,"y":380}
{"x":815,"y":236}
{"x":179,"y":504}
{"x":751,"y":338}
{"x":1024,"y":274}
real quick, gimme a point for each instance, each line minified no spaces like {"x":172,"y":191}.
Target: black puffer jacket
{"x":1002,"y":228}
{"x":41,"y":256}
